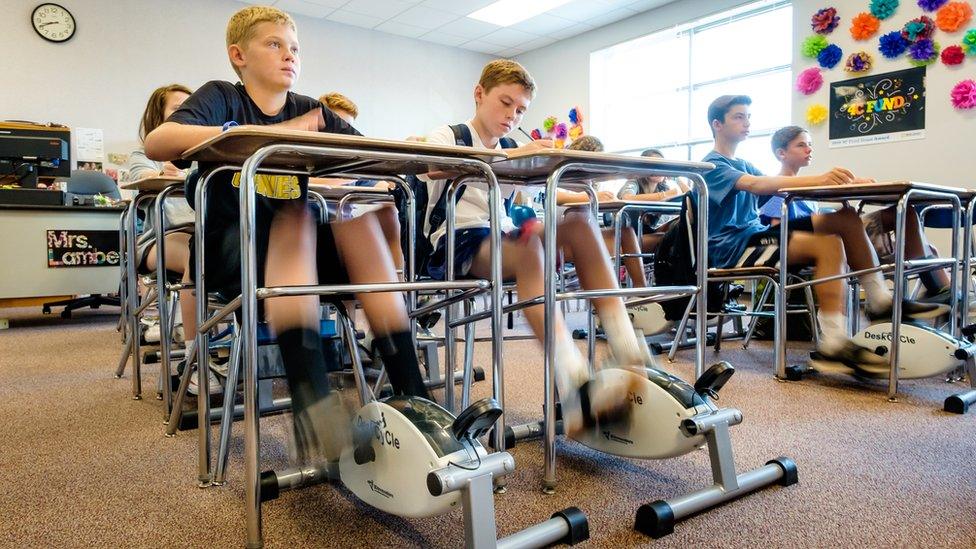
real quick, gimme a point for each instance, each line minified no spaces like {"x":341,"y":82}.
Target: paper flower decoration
{"x":883,"y":9}
{"x":816,"y":114}
{"x":953,"y":16}
{"x":562,"y":132}
{"x":892,"y":45}
{"x":858,"y":62}
{"x":536,"y":134}
{"x":964,"y":95}
{"x":953,"y":55}
{"x":812,"y":45}
{"x":923,"y":52}
{"x":809,"y":81}
{"x":920,"y":28}
{"x":931,"y":5}
{"x":864,"y":26}
{"x":829,"y":56}
{"x":825,"y":21}
{"x":549,"y":124}
{"x":969,"y":42}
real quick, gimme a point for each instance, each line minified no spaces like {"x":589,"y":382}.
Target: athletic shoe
{"x":910,"y":310}
{"x":322,"y":430}
{"x":214,"y":385}
{"x":599,"y":402}
{"x":850,"y":359}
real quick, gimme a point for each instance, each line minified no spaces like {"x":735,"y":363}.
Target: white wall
{"x":945,"y":156}
{"x":562,"y":70}
{"x":124,"y":49}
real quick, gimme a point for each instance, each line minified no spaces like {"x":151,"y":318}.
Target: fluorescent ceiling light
{"x":509,"y":12}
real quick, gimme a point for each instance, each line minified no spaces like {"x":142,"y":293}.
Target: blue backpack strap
{"x":508,"y":143}
{"x":462,"y":135}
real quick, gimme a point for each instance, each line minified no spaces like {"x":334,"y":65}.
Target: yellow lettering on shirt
{"x":279,"y":187}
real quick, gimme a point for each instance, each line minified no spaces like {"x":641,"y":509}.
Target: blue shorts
{"x":467,"y":242}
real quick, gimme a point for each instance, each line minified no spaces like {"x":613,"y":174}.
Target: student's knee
{"x":830,"y":248}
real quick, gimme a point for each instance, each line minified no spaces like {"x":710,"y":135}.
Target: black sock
{"x":402,"y":367}
{"x":932,"y":285}
{"x":304,"y":361}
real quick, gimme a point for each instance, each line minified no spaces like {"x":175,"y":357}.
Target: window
{"x":654,"y":91}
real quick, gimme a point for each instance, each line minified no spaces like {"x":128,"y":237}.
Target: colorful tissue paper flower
{"x":953,"y":16}
{"x":969,"y":42}
{"x":964,"y":95}
{"x":813,"y":45}
{"x":809,"y":81}
{"x":920,"y":28}
{"x":931,"y":5}
{"x":562,"y":130}
{"x":536,"y":134}
{"x":858,"y":62}
{"x":549,"y":124}
{"x":864,"y":26}
{"x":883,"y":9}
{"x":816,"y":114}
{"x":923,"y":52}
{"x":892,"y":45}
{"x":953,"y":55}
{"x":825,"y":21}
{"x":829,"y":56}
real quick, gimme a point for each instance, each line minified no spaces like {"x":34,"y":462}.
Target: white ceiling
{"x":444,"y":21}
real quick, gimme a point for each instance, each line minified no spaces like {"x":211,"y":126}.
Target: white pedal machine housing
{"x":924,"y":351}
{"x":411,"y":437}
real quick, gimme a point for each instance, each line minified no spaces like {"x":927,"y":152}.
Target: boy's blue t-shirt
{"x":773,"y":208}
{"x":733,"y":215}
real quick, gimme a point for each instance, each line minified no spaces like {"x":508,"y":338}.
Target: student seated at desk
{"x":263,"y":48}
{"x":793,"y":147}
{"x":178,"y":215}
{"x":628,"y":237}
{"x":737,"y":238}
{"x":501,"y":96}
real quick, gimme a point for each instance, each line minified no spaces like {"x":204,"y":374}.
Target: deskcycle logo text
{"x":374,"y":487}
{"x":886,"y":336}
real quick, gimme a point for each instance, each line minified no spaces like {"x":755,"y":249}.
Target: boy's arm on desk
{"x":771,"y":184}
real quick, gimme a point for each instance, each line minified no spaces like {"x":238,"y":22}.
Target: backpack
{"x":462,"y":138}
{"x":675,"y":263}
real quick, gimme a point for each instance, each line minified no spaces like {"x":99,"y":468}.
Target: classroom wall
{"x":562,"y":70}
{"x":943,"y":157}
{"x":123,"y":49}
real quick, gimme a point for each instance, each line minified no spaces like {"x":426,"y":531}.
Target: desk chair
{"x":87,"y":183}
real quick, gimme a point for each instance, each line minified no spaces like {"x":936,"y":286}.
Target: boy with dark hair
{"x":737,"y":238}
{"x":262,"y":44}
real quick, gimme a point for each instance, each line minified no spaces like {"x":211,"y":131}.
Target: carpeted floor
{"x":81,"y":464}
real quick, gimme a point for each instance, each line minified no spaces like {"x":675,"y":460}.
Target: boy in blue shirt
{"x":737,"y":237}
{"x":262,"y":44}
{"x":793,"y":148}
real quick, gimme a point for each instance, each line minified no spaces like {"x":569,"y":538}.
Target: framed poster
{"x":878,"y":109}
{"x":82,"y":248}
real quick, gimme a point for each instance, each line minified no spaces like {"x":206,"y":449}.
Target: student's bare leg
{"x":628,"y":246}
{"x":364,"y":250}
{"x":916,"y":246}
{"x":177,"y":260}
{"x":846,"y":224}
{"x":390,"y":225}
{"x":320,"y":424}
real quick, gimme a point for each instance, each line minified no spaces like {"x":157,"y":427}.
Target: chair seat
{"x":744,"y":271}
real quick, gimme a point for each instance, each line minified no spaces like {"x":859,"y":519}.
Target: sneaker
{"x":599,"y":402}
{"x":151,"y":334}
{"x":322,"y":430}
{"x":850,"y":359}
{"x":910,"y":310}
{"x":214,"y":385}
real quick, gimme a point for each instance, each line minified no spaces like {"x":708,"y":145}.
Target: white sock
{"x":834,"y":332}
{"x":571,"y":368}
{"x":623,"y":341}
{"x":878,"y":296}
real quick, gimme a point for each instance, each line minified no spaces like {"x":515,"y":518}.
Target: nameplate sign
{"x":82,"y":248}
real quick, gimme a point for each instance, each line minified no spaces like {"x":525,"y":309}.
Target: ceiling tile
{"x":580,"y":10}
{"x":444,"y":39}
{"x":644,"y":5}
{"x":424,"y":17}
{"x":356,"y":19}
{"x":301,"y":7}
{"x":483,"y":47}
{"x":511,"y":52}
{"x":542,"y":24}
{"x":508,"y":37}
{"x":540,"y":42}
{"x":569,"y":32}
{"x":611,"y":17}
{"x":459,"y":7}
{"x":379,"y":8}
{"x":613,"y":4}
{"x":330,"y":3}
{"x":471,"y":28}
{"x":401,"y":29}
